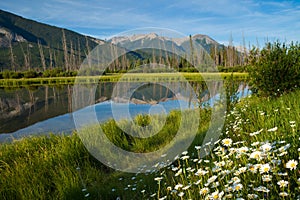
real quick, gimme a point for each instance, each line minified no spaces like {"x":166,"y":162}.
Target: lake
{"x":36,"y":110}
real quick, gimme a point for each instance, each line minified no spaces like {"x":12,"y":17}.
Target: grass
{"x":251,"y":160}
{"x":60,"y":167}
{"x":133,"y":77}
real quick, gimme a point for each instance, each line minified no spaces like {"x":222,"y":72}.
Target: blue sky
{"x":257,"y":20}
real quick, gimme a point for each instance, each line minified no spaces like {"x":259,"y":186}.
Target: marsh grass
{"x":132,"y":77}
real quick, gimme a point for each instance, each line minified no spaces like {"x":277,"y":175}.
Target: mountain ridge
{"x":26,"y":45}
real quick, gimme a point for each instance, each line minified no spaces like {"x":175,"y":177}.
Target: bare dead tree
{"x":79,"y":53}
{"x":42,"y":55}
{"x":50,"y":58}
{"x":72,"y":57}
{"x":26,"y":58}
{"x":12,"y":59}
{"x":65,"y":50}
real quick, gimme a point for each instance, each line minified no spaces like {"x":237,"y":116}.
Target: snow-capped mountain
{"x":153,"y":39}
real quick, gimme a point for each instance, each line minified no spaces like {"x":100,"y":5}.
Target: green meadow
{"x":255,"y":158}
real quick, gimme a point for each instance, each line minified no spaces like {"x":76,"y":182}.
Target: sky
{"x":252,"y":21}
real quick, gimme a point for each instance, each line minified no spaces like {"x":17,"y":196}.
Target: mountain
{"x":29,"y":45}
{"x":27,"y":40}
{"x":153,"y":39}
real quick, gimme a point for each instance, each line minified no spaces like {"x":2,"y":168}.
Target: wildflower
{"x":242,"y":169}
{"x":216,"y":195}
{"x":220,"y":164}
{"x":185,"y":157}
{"x":255,"y":144}
{"x":237,"y":187}
{"x":252,"y":168}
{"x":153,"y":195}
{"x":158,"y":179}
{"x":267,"y":178}
{"x":265,"y":168}
{"x":204,"y":191}
{"x":285,"y":147}
{"x":261,"y":189}
{"x":175,"y":168}
{"x":291,"y":164}
{"x":215,"y":184}
{"x":282,"y":183}
{"x":184,"y":153}
{"x":197,"y":147}
{"x":227,"y":142}
{"x":282,"y":154}
{"x":252,"y":196}
{"x":228,"y":196}
{"x":197,"y":182}
{"x":212,"y":179}
{"x":186,"y":187}
{"x":266,"y":147}
{"x":282,"y":174}
{"x":256,"y":155}
{"x":169,"y":188}
{"x":243,"y":149}
{"x":179,"y":172}
{"x":180,"y":194}
{"x":283,"y":194}
{"x":201,"y":172}
{"x":256,"y":132}
{"x":236,"y":180}
{"x":273,"y":129}
{"x":179,"y":185}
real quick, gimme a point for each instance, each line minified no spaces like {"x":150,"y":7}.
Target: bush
{"x":30,"y":74}
{"x":275,"y":69}
{"x":11,"y":74}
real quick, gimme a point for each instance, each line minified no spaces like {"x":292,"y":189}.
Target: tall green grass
{"x":251,"y":160}
{"x":59,"y":167}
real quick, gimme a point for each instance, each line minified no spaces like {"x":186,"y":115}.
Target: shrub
{"x":30,"y":74}
{"x":275,"y":69}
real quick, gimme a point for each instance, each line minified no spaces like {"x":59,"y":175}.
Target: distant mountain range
{"x":149,"y":39}
{"x":26,"y":44}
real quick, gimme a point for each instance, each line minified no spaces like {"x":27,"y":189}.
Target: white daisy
{"x":292,"y":164}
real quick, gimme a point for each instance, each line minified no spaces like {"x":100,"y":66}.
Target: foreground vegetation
{"x":256,"y":158}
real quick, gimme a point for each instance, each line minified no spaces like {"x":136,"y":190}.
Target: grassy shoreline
{"x":59,"y":167}
{"x":134,"y":77}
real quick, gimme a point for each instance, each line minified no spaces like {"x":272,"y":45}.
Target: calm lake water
{"x":43,"y":109}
